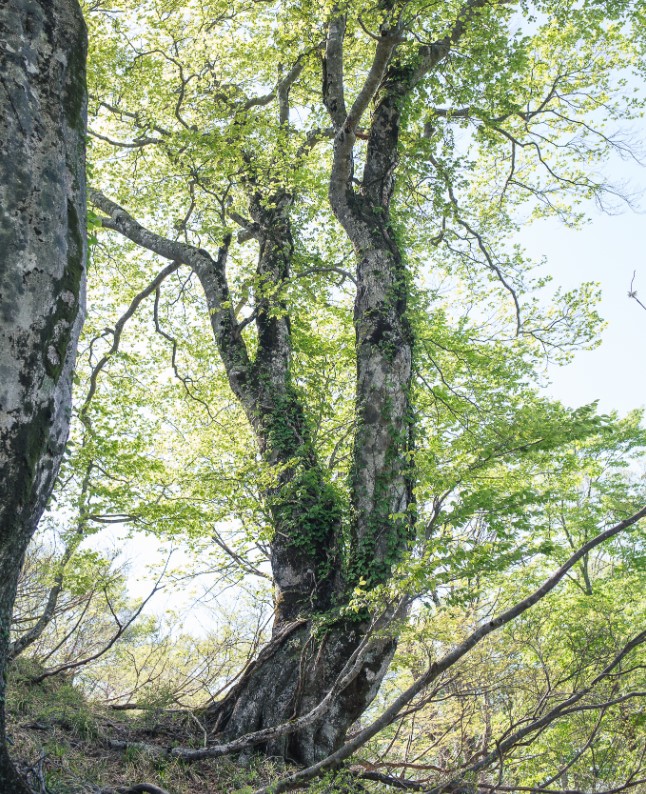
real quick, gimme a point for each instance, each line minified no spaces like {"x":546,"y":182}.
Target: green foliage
{"x":472,"y":394}
{"x":49,"y":702}
{"x":515,"y":125}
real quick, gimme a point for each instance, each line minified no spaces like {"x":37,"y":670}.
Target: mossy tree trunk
{"x":312,"y":572}
{"x":42,"y":273}
{"x":322,"y":548}
{"x":300,"y":666}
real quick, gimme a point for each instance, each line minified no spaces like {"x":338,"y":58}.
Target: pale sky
{"x":607,"y":251}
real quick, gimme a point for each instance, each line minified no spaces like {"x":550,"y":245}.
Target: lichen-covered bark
{"x":42,"y":271}
{"x":381,"y":472}
{"x":292,"y":675}
{"x":381,"y":481}
{"x":313,"y":575}
{"x":305,"y":509}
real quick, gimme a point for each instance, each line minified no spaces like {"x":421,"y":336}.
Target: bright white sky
{"x":608,"y":250}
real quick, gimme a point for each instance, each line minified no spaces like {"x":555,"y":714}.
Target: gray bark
{"x":304,"y":509}
{"x":306,"y":677}
{"x":381,"y":473}
{"x":42,"y":272}
{"x":303,"y":506}
{"x":298,"y":669}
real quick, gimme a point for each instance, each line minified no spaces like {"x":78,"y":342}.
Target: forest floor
{"x":65,"y":745}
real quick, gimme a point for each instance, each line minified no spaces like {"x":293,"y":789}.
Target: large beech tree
{"x":42,"y":273}
{"x":328,"y":174}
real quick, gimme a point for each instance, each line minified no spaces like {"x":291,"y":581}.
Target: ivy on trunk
{"x":374,"y":87}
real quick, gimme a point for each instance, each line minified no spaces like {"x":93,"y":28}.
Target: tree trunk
{"x":305,"y":509}
{"x":291,"y":676}
{"x":296,"y":670}
{"x":42,"y":240}
{"x":299,"y":667}
{"x":314,"y":567}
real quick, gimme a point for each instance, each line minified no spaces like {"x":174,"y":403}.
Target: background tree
{"x":42,"y":239}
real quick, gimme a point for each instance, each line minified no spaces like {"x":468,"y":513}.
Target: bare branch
{"x":439,"y":667}
{"x":118,"y":330}
{"x":632,"y":293}
{"x":431,"y":55}
{"x":121,"y":629}
{"x":48,"y":613}
{"x":244,"y":564}
{"x":140,"y":122}
{"x":383,"y":52}
{"x":333,"y":87}
{"x":250,"y":230}
{"x":534,"y":790}
{"x":138,"y":788}
{"x":284,"y":87}
{"x":562,"y":709}
{"x":138,"y":143}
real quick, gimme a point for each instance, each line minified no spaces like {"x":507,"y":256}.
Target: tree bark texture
{"x":312,"y":573}
{"x":42,"y":272}
{"x":322,"y":546}
{"x":300,"y":666}
{"x":381,"y":477}
{"x":305,"y":510}
{"x":292,"y":675}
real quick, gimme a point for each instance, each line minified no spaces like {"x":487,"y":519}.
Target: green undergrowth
{"x":53,"y":702}
{"x":61,"y":740}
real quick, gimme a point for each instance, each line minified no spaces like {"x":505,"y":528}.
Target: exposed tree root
{"x":138,"y":788}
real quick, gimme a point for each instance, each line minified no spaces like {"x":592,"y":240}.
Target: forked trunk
{"x":324,"y":544}
{"x":300,"y":666}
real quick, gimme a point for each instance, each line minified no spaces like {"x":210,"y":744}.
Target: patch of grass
{"x":52,"y":727}
{"x":53,"y":701}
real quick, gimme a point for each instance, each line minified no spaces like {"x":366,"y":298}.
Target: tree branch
{"x":333,"y":87}
{"x":431,"y":55}
{"x":118,"y":330}
{"x":212,"y":275}
{"x":446,"y":662}
{"x":121,"y":629}
{"x":562,"y":709}
{"x":632,"y":293}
